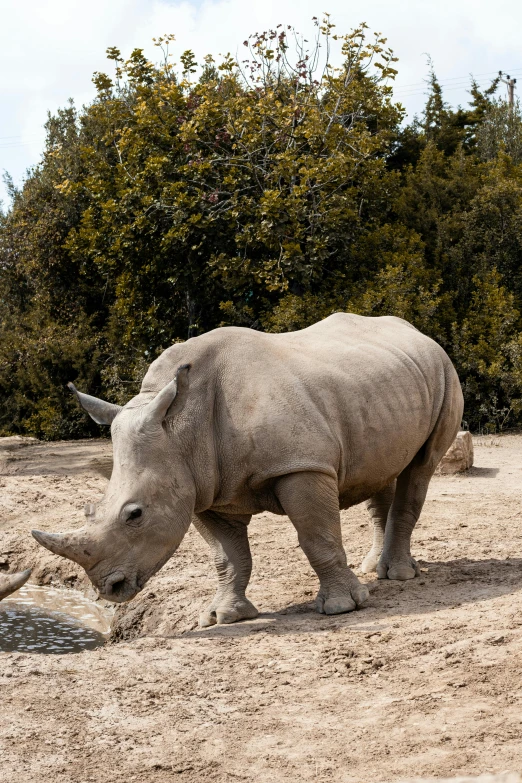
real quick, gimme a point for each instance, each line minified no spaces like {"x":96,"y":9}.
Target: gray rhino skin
{"x":351,"y":409}
{"x":9,"y":583}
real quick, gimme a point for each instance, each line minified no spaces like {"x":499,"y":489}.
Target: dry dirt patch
{"x":424,"y":682}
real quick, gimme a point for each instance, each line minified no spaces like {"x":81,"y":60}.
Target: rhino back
{"x":351,"y":396}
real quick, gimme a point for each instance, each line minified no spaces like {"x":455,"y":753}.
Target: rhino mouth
{"x":118,"y":588}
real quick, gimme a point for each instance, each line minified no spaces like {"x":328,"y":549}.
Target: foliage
{"x":501,"y":131}
{"x":266,"y":192}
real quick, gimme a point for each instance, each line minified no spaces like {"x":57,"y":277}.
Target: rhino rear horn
{"x":102,"y":412}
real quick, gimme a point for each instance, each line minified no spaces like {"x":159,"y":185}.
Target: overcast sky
{"x":49,"y":49}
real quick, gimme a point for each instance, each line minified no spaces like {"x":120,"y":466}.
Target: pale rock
{"x":459,"y":456}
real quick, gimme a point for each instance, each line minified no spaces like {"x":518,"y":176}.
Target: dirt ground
{"x":425,"y":682}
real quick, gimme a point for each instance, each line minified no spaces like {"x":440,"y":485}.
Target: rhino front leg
{"x":379,"y":506}
{"x":228,"y":540}
{"x":311,"y":500}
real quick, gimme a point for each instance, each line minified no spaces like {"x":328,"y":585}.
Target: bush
{"x":266,"y":192}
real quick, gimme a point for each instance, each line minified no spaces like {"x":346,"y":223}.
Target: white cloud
{"x":50,"y":48}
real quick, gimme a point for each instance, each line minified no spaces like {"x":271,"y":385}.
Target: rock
{"x":459,"y":456}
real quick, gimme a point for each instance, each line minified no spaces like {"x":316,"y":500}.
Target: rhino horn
{"x":171,"y":398}
{"x":10,"y":583}
{"x":74,"y":546}
{"x":102,"y":412}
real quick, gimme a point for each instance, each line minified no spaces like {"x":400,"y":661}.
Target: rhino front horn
{"x":11,"y":582}
{"x":73,"y":546}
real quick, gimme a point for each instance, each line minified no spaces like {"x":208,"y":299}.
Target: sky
{"x":49,"y":49}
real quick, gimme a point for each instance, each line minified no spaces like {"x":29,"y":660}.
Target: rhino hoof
{"x":339,"y":604}
{"x":228,"y":616}
{"x":242,"y":610}
{"x":369,"y":564}
{"x":206,"y":619}
{"x":401,"y":570}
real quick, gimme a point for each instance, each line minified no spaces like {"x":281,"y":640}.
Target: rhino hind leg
{"x":396,"y":561}
{"x":311,"y":500}
{"x":378,"y":506}
{"x":227,"y":537}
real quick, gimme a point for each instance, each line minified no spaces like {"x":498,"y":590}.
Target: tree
{"x":500,"y":131}
{"x":175,"y":203}
{"x":264,"y":192}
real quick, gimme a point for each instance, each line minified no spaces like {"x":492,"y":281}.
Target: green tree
{"x":487,"y":350}
{"x":265,"y":191}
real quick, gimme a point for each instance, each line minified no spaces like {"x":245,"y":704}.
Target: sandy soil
{"x":424,"y":682}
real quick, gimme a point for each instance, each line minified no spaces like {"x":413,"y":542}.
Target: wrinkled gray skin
{"x":351,"y":409}
{"x":9,"y":583}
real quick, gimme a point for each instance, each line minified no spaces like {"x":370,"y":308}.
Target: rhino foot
{"x":398,"y":568}
{"x":337,"y":602}
{"x":228,"y":612}
{"x":369,"y":564}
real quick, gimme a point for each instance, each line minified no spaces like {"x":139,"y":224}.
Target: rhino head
{"x":149,"y":501}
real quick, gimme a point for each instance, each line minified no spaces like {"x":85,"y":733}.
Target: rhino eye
{"x":132,"y":513}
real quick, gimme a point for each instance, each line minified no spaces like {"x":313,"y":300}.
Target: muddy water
{"x":53,"y":621}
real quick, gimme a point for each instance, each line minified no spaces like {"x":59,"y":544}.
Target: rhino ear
{"x":102,"y":412}
{"x":171,"y":399}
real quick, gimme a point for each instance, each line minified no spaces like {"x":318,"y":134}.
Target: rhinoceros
{"x":235,"y":422}
{"x":9,"y":583}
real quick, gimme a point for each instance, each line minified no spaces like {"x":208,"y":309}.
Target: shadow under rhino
{"x":447,"y":584}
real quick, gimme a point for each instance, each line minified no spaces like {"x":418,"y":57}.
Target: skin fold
{"x":303,"y":424}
